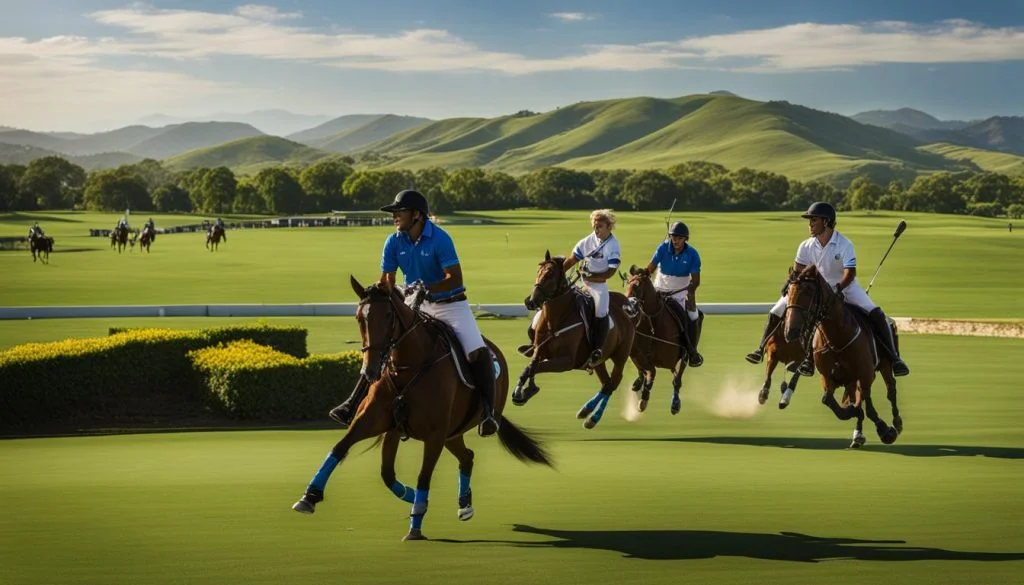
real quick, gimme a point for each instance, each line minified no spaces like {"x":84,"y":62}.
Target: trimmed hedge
{"x":252,"y":381}
{"x":134,"y":375}
{"x":287,"y":339}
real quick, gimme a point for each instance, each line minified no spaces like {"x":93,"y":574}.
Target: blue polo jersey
{"x":423,"y":260}
{"x":669,"y":263}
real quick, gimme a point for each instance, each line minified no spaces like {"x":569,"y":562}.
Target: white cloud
{"x":572,"y":16}
{"x":72,"y":72}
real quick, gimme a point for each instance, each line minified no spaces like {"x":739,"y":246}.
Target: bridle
{"x":397,"y":330}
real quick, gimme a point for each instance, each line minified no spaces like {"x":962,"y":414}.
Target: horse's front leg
{"x":388,"y":452}
{"x":432,"y":447}
{"x":829,"y":400}
{"x":526,"y":388}
{"x":645,"y":390}
{"x":593,"y":409}
{"x":371,"y":422}
{"x":769,"y":368}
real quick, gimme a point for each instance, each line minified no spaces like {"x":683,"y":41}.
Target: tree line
{"x":334,"y":184}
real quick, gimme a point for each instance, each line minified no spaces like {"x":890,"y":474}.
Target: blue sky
{"x":93,"y":64}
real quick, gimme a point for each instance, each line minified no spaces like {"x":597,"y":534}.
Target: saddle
{"x":455,"y":350}
{"x":862,"y":320}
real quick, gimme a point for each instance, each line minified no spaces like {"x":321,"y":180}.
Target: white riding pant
{"x":459,"y":316}
{"x":602,"y":298}
{"x":852,"y":294}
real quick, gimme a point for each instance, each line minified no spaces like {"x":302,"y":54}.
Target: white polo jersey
{"x":831,"y":259}
{"x":600,"y":255}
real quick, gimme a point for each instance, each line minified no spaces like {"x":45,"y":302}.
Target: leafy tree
{"x":116,"y":190}
{"x":322,"y":182}
{"x":170,"y":197}
{"x":53,"y":181}
{"x":217,"y":190}
{"x":279,"y":190}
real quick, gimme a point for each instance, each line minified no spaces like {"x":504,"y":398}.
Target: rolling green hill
{"x":22,"y":154}
{"x":247,"y":155}
{"x":655,"y":133}
{"x":373,"y":131}
{"x":988,"y":160}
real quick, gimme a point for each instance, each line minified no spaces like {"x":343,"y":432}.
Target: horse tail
{"x":521,"y":445}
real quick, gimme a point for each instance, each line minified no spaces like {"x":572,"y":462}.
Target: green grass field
{"x":725,"y":492}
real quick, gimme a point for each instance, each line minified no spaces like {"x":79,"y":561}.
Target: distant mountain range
{"x":631,"y":133}
{"x":273,"y":122}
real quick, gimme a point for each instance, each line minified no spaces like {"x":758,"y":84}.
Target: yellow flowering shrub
{"x":252,"y":381}
{"x":130,"y":375}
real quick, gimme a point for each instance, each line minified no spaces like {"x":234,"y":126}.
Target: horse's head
{"x":550,"y":281}
{"x":808,"y":300}
{"x":639,"y":286}
{"x":380,"y":313}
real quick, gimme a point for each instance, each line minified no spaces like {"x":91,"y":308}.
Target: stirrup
{"x":695,"y":361}
{"x":488,"y":426}
{"x":342,"y":414}
{"x":755,"y":357}
{"x":595,"y":357}
{"x":806,"y":368}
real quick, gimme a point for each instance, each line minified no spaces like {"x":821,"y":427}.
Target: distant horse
{"x":657,"y":342}
{"x":214,"y":236}
{"x":41,"y":246}
{"x":146,"y":239}
{"x":419,"y":388}
{"x":845,"y":352}
{"x":561,"y":341}
{"x":119,"y":238}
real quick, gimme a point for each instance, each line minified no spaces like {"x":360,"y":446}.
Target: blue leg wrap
{"x":324,"y":473}
{"x":419,"y":509}
{"x":403,"y":492}
{"x":463,"y":484}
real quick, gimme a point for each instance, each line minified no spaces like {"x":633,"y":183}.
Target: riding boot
{"x":883,"y":333}
{"x":689,"y":333}
{"x":482,"y":369}
{"x":600,"y":334}
{"x":757,"y":355}
{"x":528,"y":349}
{"x":344,"y":412}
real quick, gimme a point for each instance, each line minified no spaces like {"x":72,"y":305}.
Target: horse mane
{"x":559,"y":260}
{"x":808,"y":273}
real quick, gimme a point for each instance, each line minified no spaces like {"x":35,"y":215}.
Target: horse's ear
{"x":356,"y":287}
{"x":547,"y":255}
{"x":632,"y":269}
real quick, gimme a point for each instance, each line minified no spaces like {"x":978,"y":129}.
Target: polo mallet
{"x":902,"y":227}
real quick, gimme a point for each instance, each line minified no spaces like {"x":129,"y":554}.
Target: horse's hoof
{"x":889,"y":436}
{"x":787,"y":395}
{"x":897,"y":423}
{"x":642,"y":405}
{"x":589,"y":423}
{"x":677,"y":404}
{"x":858,"y":442}
{"x":465,"y":513}
{"x":638,"y":384}
{"x":520,"y":396}
{"x":414,"y":535}
{"x":584,"y":412}
{"x":304,"y":506}
{"x":762,"y":396}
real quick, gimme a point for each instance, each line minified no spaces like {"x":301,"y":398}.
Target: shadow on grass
{"x":816,"y":444}
{"x":707,"y":544}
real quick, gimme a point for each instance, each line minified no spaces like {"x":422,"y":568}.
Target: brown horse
{"x":845,"y":352}
{"x":561,"y":342}
{"x":214,"y":236}
{"x":657,"y":342}
{"x":146,"y":239}
{"x":119,"y":238}
{"x":417,"y":391}
{"x":41,"y":246}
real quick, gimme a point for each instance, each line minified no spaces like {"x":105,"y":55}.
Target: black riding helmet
{"x":679,"y":229}
{"x":408,"y":199}
{"x":822,"y":210}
